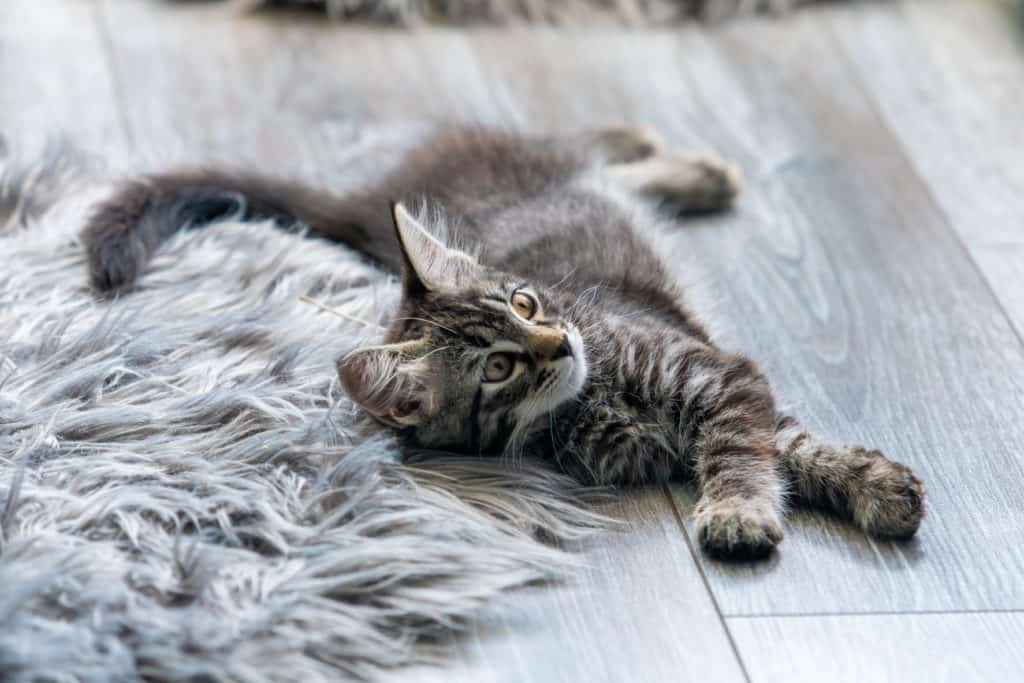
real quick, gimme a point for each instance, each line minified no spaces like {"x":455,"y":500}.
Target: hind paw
{"x":693,"y":182}
{"x":627,"y":144}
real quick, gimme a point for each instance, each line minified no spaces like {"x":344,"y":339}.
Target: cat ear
{"x":392,"y":382}
{"x":429,"y":265}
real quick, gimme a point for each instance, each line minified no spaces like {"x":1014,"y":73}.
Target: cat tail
{"x":123,"y":232}
{"x":880,"y":496}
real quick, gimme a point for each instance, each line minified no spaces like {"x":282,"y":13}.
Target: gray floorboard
{"x":947,"y":77}
{"x":54,"y":76}
{"x":637,"y":612}
{"x":938,"y":648}
{"x":843,"y":277}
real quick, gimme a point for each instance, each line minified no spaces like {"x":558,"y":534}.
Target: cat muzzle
{"x":549,"y":344}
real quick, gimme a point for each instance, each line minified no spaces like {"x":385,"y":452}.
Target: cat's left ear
{"x":393,"y":382}
{"x":429,"y":264}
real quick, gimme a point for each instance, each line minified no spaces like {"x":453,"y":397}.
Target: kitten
{"x":555,"y":329}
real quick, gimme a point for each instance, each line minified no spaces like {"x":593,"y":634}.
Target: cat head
{"x":474,"y":359}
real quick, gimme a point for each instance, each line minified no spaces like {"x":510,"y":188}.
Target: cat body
{"x":537,"y":317}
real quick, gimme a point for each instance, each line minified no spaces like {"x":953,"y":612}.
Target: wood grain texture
{"x":947,"y":79}
{"x":198,"y":82}
{"x":638,"y":612}
{"x":939,"y":648}
{"x":54,"y":76}
{"x":841,"y":275}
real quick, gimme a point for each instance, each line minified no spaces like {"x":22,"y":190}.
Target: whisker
{"x":432,"y":352}
{"x":324,"y":307}
{"x":567,"y":276}
{"x":429,"y":322}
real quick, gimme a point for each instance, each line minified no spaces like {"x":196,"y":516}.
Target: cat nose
{"x":563,"y":349}
{"x":549,"y":344}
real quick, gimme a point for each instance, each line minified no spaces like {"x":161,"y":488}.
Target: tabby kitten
{"x":552,"y":328}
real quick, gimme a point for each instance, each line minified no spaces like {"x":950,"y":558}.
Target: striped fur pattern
{"x":537,"y":318}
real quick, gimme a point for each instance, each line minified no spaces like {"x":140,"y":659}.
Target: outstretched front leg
{"x":879,"y":495}
{"x":681,"y":407}
{"x":729,"y":404}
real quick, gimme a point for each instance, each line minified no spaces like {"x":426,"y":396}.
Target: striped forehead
{"x":476,"y":321}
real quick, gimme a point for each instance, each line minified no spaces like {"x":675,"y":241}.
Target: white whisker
{"x":324,"y":307}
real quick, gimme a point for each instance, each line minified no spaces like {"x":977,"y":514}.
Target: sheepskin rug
{"x":185,"y":493}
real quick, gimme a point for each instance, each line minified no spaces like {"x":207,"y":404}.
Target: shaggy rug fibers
{"x":184,"y":492}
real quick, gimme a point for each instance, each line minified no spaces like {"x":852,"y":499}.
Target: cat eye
{"x":498,"y":367}
{"x":524,"y":304}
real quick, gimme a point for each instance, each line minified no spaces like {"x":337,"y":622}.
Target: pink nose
{"x":549,"y":343}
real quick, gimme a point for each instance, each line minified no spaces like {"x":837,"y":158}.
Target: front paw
{"x":737,"y":528}
{"x":889,"y":500}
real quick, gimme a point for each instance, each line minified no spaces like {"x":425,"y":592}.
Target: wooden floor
{"x":874,"y":266}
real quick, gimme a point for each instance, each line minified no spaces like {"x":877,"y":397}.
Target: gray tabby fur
{"x":183,"y":494}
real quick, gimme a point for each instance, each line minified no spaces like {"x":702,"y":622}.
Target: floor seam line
{"x":707,"y":584}
{"x":874,"y":613}
{"x":110,"y":55}
{"x":926,"y":186}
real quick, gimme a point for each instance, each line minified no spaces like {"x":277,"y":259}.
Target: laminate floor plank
{"x":843,"y":277}
{"x":637,"y":612}
{"x":947,"y":78}
{"x":938,"y":648}
{"x":55,"y":77}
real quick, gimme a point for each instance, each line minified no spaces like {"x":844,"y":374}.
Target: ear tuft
{"x":429,"y":265}
{"x":392,"y":382}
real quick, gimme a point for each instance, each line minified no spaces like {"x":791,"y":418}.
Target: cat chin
{"x":568,"y":383}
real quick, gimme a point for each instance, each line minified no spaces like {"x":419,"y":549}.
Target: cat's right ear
{"x":428,"y":265}
{"x":393,"y":382}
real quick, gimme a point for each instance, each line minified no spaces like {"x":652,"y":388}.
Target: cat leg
{"x":739,"y":512}
{"x":880,"y":496}
{"x":692,"y":182}
{"x":619,"y":145}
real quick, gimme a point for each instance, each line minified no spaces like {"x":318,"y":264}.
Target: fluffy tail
{"x":125,"y":231}
{"x":880,"y":496}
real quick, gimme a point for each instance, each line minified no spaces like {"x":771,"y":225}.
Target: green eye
{"x":498,"y":367}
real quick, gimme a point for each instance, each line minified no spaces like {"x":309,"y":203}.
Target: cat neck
{"x":633,"y":379}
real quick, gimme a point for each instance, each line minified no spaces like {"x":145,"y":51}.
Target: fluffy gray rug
{"x":184,"y":493}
